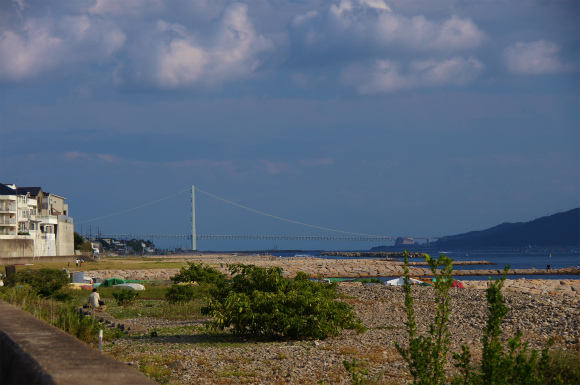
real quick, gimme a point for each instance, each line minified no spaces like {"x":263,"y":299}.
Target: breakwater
{"x":371,"y":254}
{"x":327,"y":268}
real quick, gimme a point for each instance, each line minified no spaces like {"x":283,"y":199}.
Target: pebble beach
{"x":193,"y":357}
{"x":541,"y":309}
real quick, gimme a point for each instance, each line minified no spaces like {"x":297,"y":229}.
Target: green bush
{"x":261,"y":302}
{"x":45,"y":282}
{"x":180,"y":294}
{"x":427,"y":354}
{"x":369,"y":280}
{"x":197,"y":272}
{"x":125,"y":297}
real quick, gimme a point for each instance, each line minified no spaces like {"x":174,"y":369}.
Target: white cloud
{"x":42,"y":44}
{"x":178,"y":58}
{"x":535,"y":58}
{"x":386,"y":76}
{"x":125,"y":7}
{"x":371,"y":27}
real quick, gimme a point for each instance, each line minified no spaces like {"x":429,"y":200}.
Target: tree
{"x":87,"y":247}
{"x":79,"y":241}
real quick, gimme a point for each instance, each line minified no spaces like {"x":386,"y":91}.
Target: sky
{"x":397,"y":118}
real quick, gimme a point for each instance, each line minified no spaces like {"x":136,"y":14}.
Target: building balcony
{"x":65,"y":218}
{"x":7,"y":221}
{"x":48,"y":219}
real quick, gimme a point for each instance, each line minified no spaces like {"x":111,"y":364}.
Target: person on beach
{"x":95,"y":300}
{"x":548,"y":267}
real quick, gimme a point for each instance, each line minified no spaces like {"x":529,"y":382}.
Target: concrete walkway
{"x":34,"y":352}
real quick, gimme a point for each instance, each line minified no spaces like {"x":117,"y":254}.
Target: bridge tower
{"x":193,"y":234}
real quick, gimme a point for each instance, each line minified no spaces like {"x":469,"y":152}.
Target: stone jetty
{"x":357,"y":268}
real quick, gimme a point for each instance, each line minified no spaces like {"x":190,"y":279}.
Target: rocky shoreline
{"x":343,"y":268}
{"x":192,"y":356}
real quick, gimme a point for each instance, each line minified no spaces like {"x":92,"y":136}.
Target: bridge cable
{"x":282,"y":219}
{"x":134,"y":208}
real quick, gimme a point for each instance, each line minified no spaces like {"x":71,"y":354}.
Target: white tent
{"x":401,"y":281}
{"x":130,"y":286}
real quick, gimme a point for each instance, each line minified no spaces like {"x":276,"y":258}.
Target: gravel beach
{"x":188,"y":354}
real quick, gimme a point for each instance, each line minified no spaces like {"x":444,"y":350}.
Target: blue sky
{"x":399,"y":118}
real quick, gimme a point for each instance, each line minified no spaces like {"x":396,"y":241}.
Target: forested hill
{"x":561,"y":229}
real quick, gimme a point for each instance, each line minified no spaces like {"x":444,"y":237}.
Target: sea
{"x":527,"y":258}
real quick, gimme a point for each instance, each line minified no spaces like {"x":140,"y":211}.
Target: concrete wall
{"x":61,"y":258}
{"x":34,"y":352}
{"x":65,"y":243}
{"x":22,"y":246}
{"x":44,"y":244}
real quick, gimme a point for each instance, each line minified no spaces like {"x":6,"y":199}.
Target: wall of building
{"x":22,"y":246}
{"x":45,"y":244}
{"x":65,"y":243}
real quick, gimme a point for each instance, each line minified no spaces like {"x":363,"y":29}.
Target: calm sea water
{"x":517,"y":259}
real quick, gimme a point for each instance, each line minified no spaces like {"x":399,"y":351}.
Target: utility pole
{"x":193,"y":235}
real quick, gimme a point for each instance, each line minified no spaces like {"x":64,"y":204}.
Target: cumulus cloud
{"x":172,"y":56}
{"x":385,"y":76}
{"x":125,"y":7}
{"x":42,"y":44}
{"x":370,"y":27}
{"x":161,"y":53}
{"x":535,"y":58}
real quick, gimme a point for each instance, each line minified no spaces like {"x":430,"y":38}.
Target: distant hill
{"x":561,"y":229}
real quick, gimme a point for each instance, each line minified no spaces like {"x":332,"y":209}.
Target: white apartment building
{"x":34,"y":223}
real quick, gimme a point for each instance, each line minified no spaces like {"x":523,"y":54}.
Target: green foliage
{"x":197,"y":272}
{"x":71,"y":321}
{"x":62,"y":315}
{"x":368,"y":280}
{"x":125,"y":297}
{"x":564,"y":367}
{"x":516,"y":366}
{"x":45,"y":282}
{"x":427,"y":354}
{"x":358,"y":375}
{"x":78,"y":241}
{"x":261,"y":302}
{"x":87,"y":247}
{"x":180,"y":294}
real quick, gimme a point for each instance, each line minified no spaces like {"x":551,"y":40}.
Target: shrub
{"x":197,"y":272}
{"x":427,"y":354}
{"x":125,"y":297}
{"x":45,"y":282}
{"x":180,"y":294}
{"x":261,"y":302}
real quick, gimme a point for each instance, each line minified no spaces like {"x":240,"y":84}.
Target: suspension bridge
{"x":193,"y":237}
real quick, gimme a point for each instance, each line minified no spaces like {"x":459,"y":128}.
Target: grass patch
{"x":106,"y":263}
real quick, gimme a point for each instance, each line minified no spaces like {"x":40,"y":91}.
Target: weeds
{"x":125,"y":297}
{"x":426,"y":355}
{"x":63,"y":315}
